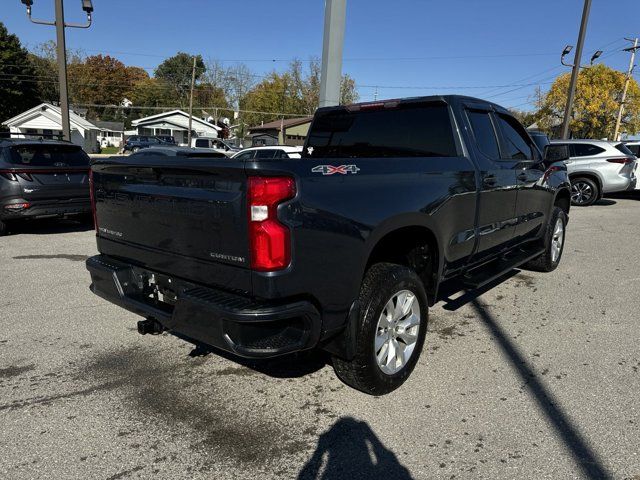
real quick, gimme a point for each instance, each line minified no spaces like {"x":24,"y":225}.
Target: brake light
{"x":622,"y":160}
{"x":92,"y":197}
{"x":270,"y":240}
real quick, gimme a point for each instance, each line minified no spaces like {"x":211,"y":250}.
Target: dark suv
{"x":137,"y":142}
{"x":42,"y":179}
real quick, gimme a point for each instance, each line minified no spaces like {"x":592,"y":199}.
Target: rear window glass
{"x":410,"y":130}
{"x":635,"y":149}
{"x":48,"y":156}
{"x":584,"y":150}
{"x":624,"y":149}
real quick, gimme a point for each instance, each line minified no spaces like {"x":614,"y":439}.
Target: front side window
{"x":585,"y":150}
{"x":516,"y":143}
{"x":484,"y":133}
{"x":202,"y":143}
{"x":405,"y":130}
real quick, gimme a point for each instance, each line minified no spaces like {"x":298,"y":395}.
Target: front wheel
{"x":584,"y":192}
{"x":554,"y":238}
{"x":391,"y":331}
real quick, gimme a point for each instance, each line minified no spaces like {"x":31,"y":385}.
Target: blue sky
{"x":453,"y":45}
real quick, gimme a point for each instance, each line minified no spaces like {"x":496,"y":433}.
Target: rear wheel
{"x":135,"y":149}
{"x":391,"y":330}
{"x":553,"y":243}
{"x":584,"y":191}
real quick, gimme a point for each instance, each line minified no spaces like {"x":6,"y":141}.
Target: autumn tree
{"x":18,"y":90}
{"x":598,"y":95}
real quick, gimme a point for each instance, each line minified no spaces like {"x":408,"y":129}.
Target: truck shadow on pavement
{"x":350,"y":449}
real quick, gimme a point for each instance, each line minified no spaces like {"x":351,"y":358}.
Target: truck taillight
{"x":92,"y":196}
{"x":270,"y":240}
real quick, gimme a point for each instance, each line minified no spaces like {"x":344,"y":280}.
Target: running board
{"x":489,"y":272}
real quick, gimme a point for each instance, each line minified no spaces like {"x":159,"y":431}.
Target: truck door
{"x":498,"y":194}
{"x":533,"y":197}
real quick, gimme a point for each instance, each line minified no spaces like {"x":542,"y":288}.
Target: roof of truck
{"x":429,"y":98}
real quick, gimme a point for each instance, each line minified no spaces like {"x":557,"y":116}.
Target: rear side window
{"x":409,"y":130}
{"x":48,"y":156}
{"x":245,"y":155}
{"x":516,"y":140}
{"x":202,"y":143}
{"x":266,"y":153}
{"x":584,"y":150}
{"x":484,"y":133}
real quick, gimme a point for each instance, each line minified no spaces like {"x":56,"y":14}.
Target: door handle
{"x":490,"y":180}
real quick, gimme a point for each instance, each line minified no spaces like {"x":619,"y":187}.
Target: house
{"x":46,"y":120}
{"x":176,"y":124}
{"x":292,"y":131}
{"x":110,"y":133}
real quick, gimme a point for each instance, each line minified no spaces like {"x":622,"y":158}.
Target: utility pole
{"x":61,"y":54}
{"x":576,"y":69}
{"x":626,"y":86}
{"x":193,"y":82}
{"x":332,"y":45}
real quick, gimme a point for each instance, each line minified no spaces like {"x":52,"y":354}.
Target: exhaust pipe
{"x":150,"y":326}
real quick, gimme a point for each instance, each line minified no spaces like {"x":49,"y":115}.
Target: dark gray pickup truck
{"x":344,"y":249}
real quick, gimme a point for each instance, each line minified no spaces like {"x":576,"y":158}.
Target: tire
{"x":550,"y":259}
{"x":3,"y":229}
{"x":384,"y":283}
{"x":135,"y":149}
{"x":584,"y":192}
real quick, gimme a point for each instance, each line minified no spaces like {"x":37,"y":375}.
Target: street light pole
{"x":60,"y":25}
{"x":62,"y":71}
{"x":576,"y":69}
{"x":331,"y":73}
{"x":626,"y":87}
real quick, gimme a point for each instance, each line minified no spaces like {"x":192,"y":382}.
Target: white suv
{"x":597,"y":167}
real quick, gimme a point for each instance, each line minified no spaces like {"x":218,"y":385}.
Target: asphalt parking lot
{"x":538,"y":377}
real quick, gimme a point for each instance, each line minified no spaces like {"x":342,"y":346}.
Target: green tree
{"x":598,"y":95}
{"x":176,"y":72}
{"x":18,"y":89}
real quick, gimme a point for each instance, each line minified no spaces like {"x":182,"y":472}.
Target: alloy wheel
{"x":557,"y":240}
{"x":397,"y":332}
{"x":581,"y":193}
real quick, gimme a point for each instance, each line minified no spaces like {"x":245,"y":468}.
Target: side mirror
{"x":556,"y":153}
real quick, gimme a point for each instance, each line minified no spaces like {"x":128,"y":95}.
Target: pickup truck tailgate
{"x":177,"y":215}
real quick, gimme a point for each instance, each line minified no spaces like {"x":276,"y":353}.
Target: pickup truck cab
{"x":344,"y":249}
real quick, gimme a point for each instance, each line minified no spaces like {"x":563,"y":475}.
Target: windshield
{"x":48,"y":156}
{"x":623,"y":148}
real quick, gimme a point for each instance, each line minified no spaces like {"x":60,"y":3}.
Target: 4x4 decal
{"x":332,"y":169}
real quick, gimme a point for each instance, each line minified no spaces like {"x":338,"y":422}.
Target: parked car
{"x":137,"y":142}
{"x":214,"y":144}
{"x":597,"y":167}
{"x":168,"y":139}
{"x":634,"y":147}
{"x":263,"y":153}
{"x":176,"y":151}
{"x":42,"y":178}
{"x":391,"y":206}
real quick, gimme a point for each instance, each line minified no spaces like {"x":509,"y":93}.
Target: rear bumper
{"x":45,"y":208}
{"x":234,"y":323}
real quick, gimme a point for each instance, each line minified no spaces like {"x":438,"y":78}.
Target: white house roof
{"x":51,"y":116}
{"x":174,"y":117}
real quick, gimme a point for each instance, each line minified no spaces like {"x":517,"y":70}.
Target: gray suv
{"x":42,"y":178}
{"x":597,"y":167}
